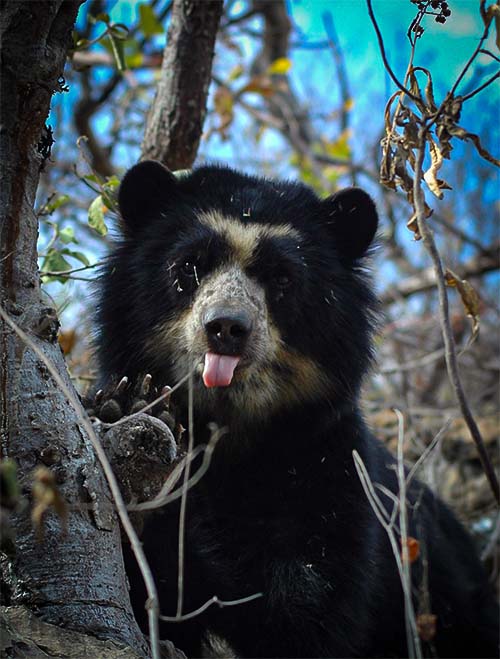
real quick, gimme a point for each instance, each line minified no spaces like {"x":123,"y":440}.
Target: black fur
{"x":281,"y":510}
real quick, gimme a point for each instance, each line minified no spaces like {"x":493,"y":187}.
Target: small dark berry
{"x":440,"y":19}
{"x":435,"y":4}
{"x":446,"y":12}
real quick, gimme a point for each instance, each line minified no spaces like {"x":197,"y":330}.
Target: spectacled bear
{"x":262,"y":288}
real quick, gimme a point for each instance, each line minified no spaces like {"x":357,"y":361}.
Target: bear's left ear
{"x":352,"y":217}
{"x":144,"y":192}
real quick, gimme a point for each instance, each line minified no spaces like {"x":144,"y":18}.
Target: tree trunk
{"x":75,"y":578}
{"x":176,"y":118}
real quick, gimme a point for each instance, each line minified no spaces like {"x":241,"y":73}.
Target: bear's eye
{"x":188,"y":269}
{"x":189,"y":273}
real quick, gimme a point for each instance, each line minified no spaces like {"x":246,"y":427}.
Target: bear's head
{"x":259,"y":285}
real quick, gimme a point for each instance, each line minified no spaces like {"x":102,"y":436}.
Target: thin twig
{"x":419,"y":463}
{"x":381,"y":45}
{"x":182,"y":514}
{"x":377,"y":508}
{"x":59,"y":273}
{"x":484,"y":51}
{"x":451,"y":93}
{"x":471,"y":59}
{"x":165,"y":496}
{"x":83,"y":420}
{"x":444,"y":315}
{"x":411,"y":365}
{"x":481,"y":87}
{"x":204,"y":607}
{"x":73,"y":278}
{"x":413,"y":639}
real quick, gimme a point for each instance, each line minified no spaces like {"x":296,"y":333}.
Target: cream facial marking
{"x":243,"y":238}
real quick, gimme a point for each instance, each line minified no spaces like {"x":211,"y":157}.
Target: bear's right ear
{"x":352,"y":218}
{"x":144,"y":191}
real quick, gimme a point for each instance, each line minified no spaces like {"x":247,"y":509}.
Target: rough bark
{"x":175,"y":122}
{"x":75,"y":578}
{"x":24,"y":635}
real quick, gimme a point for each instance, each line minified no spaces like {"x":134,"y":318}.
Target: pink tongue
{"x":219,"y":369}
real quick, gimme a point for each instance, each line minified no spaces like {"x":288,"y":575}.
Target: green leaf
{"x":118,"y":51}
{"x":148,"y":21}
{"x":92,"y":178}
{"x":112,"y":182}
{"x":67,"y":235}
{"x":58,"y":202}
{"x":53,"y":205}
{"x":55,"y":262}
{"x":96,"y":216}
{"x":102,"y":17}
{"x":79,"y":256}
{"x":108,"y":191}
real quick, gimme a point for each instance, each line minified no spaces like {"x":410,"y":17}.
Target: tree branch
{"x":175,"y":121}
{"x":427,"y":280}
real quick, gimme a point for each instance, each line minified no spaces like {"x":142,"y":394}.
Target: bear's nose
{"x":227,"y":330}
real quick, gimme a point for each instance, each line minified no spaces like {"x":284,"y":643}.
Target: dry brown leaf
{"x":426,"y":626}
{"x":435,"y":184}
{"x":448,"y":127}
{"x":429,"y":91}
{"x":46,"y":496}
{"x":412,"y":223}
{"x":470,"y":299}
{"x":413,"y":546}
{"x":493,"y":12}
{"x":481,"y":150}
{"x":260,"y":84}
{"x":415,"y":89}
{"x":67,"y":340}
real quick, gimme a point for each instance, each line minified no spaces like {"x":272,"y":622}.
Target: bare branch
{"x":427,"y":279}
{"x":339,"y":60}
{"x":449,"y":341}
{"x":471,"y":58}
{"x":213,"y":600}
{"x":85,"y":109}
{"x":481,"y":87}
{"x":175,"y":121}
